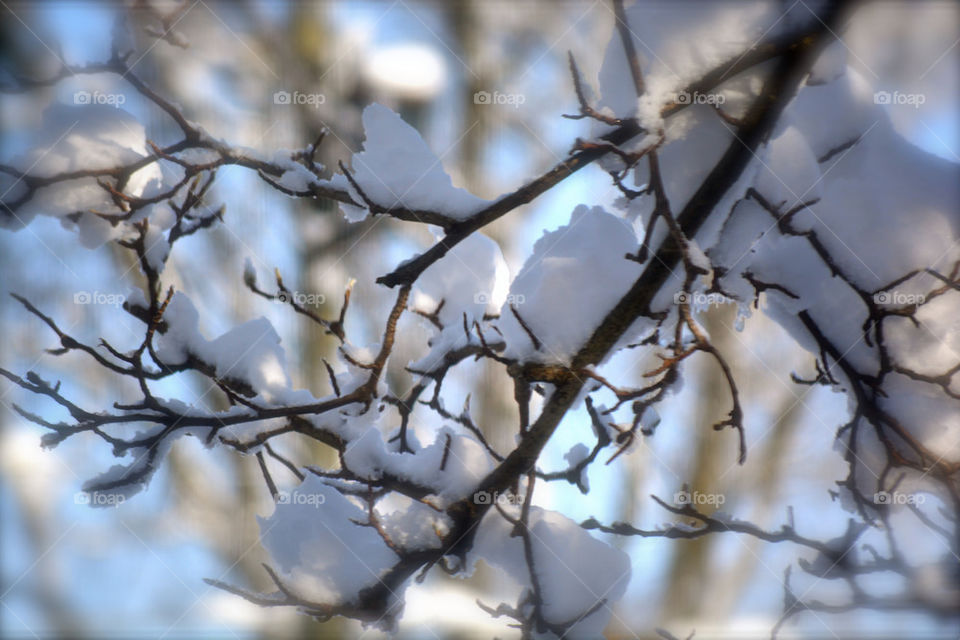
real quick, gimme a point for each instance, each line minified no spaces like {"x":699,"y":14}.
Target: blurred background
{"x":136,"y":571}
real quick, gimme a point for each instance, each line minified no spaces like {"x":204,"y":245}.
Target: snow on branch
{"x":730,"y":202}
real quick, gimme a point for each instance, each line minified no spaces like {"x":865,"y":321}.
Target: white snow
{"x":250,"y":352}
{"x":574,"y":277}
{"x":296,"y":176}
{"x":412,"y":71}
{"x":397,"y":169}
{"x":910,"y":344}
{"x":467,"y":461}
{"x":75,"y":137}
{"x":676,"y":43}
{"x":932,"y":416}
{"x":472,"y":278}
{"x":575,"y":570}
{"x":317,"y":547}
{"x":142,"y":464}
{"x":577,"y":454}
{"x":886,"y":209}
{"x":472,"y":281}
{"x":790,"y":173}
{"x":156,"y":248}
